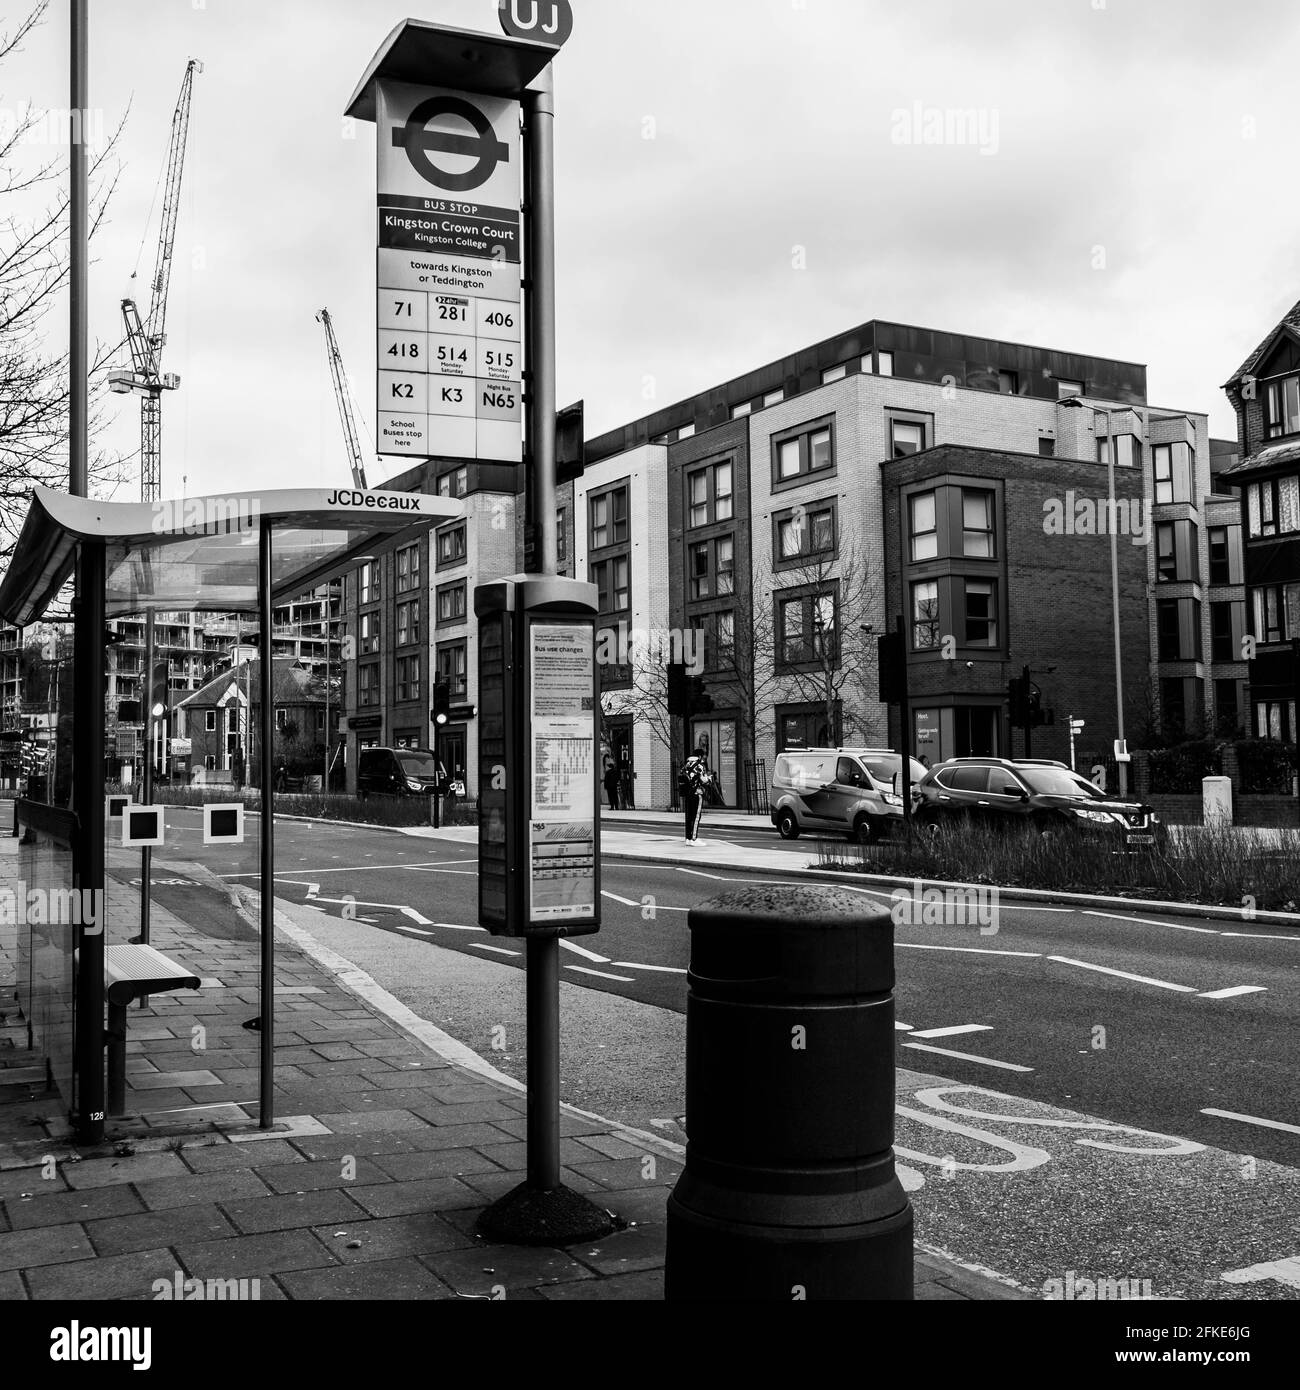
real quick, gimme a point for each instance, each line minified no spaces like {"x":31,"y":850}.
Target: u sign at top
{"x":551,"y":21}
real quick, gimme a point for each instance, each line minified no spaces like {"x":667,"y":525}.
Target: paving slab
{"x":364,"y":1241}
{"x":292,"y":1210}
{"x":153,"y":1230}
{"x":486,"y":1268}
{"x":248,"y":1257}
{"x":65,"y":1208}
{"x":182,"y":1191}
{"x":404,"y":1280}
{"x":108,"y":1277}
{"x":410,"y":1197}
{"x":312,"y":1177}
{"x":57,"y":1245}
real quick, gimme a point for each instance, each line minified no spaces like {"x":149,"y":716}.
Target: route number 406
{"x":499,"y":319}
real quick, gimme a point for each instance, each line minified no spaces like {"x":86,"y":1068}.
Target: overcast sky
{"x":1161,"y":131}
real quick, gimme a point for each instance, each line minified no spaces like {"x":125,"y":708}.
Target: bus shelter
{"x":235,"y":554}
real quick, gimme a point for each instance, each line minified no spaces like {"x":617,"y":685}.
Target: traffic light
{"x":1036,"y":719}
{"x":441,"y":714}
{"x":698,"y":700}
{"x":677,"y":691}
{"x":891,"y":661}
{"x":1018,"y":694}
{"x":160,"y":698}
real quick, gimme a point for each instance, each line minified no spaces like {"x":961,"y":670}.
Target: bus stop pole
{"x":266,"y":1102}
{"x":543,"y":953}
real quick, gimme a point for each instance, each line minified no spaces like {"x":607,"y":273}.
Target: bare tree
{"x":814,"y":629}
{"x":34,"y":267}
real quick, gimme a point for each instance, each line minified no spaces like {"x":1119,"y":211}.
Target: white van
{"x":853,"y":791}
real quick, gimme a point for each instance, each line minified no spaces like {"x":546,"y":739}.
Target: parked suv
{"x":398,"y":772}
{"x":854,"y":791}
{"x":1033,"y":793}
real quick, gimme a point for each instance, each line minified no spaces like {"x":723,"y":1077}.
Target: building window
{"x":371,"y":634}
{"x":1222,"y":646}
{"x":367,"y":686}
{"x":1178,"y":629}
{"x":1227,"y":704}
{"x":713,"y":568}
{"x":408,"y":569}
{"x":925,"y":615}
{"x":1009,"y":383}
{"x":608,"y":512}
{"x":1046,"y":447}
{"x":803,"y":533}
{"x":561,"y":538}
{"x":1065,"y":388}
{"x":452,"y":668}
{"x":452,"y":605}
{"x":1275,"y":721}
{"x":725,"y":638}
{"x":1172,"y":464}
{"x":408,"y":624}
{"x":806,"y":628}
{"x":977,"y":525}
{"x":211,"y":725}
{"x":801,"y":454}
{"x":981,"y":613}
{"x":832,"y":374}
{"x":451,"y":547}
{"x":884,"y":363}
{"x":1276,"y":609}
{"x":906,"y":437}
{"x":370,"y":589}
{"x":1273,"y":506}
{"x":773,"y":398}
{"x":613,"y":580}
{"x":1173,"y":705}
{"x":1166,"y":552}
{"x":711,"y":492}
{"x":454,"y":484}
{"x":924,"y":526}
{"x":739,"y":411}
{"x":408,"y":679}
{"x":1282,"y":407}
{"x":1220,"y":562}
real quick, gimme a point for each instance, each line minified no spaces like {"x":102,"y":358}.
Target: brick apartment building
{"x":1265,"y":393}
{"x":771,"y":518}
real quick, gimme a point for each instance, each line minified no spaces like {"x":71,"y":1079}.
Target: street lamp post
{"x":1114,"y":589}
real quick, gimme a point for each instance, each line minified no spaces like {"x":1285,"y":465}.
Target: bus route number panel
{"x":450,"y":374}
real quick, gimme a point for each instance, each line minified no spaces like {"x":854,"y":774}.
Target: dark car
{"x":1043,"y":796}
{"x":399,"y":772}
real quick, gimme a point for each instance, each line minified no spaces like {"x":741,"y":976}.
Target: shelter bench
{"x":131,"y":972}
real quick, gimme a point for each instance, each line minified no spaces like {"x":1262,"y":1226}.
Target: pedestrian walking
{"x":693,"y":782}
{"x":611,"y":781}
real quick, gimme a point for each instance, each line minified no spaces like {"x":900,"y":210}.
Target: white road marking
{"x":1256,"y":936}
{"x":412,"y":931}
{"x":952,"y":1032}
{"x":498,"y":950}
{"x":967,"y":950}
{"x":418,"y":918}
{"x":1253,"y":1120}
{"x":661,"y":969}
{"x":1145,"y":922}
{"x":355,"y":868}
{"x":451,"y":926}
{"x":614,"y":897}
{"x":583,"y":952}
{"x":1234,"y":992}
{"x":1284,"y":1271}
{"x":968,"y":1057}
{"x":1123,"y":974}
{"x":717,"y":878}
{"x":600,"y":974}
{"x":903,"y":1027}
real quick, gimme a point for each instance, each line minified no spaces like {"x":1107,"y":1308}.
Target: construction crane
{"x":147,"y":339}
{"x":345,"y":401}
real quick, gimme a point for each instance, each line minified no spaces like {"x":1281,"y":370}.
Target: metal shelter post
{"x":146,"y":709}
{"x":266,"y":1103}
{"x":88,"y":852}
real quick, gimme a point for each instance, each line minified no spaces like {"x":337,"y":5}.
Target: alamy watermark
{"x":31,"y":125}
{"x":57,"y":907}
{"x":917,"y":906}
{"x":1075,"y":1289}
{"x":1099,"y":516}
{"x":206,"y":516}
{"x":180,"y":1289}
{"x":934,"y":125}
{"x":627,"y":646}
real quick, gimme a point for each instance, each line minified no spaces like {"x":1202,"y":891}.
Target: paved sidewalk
{"x":386,"y":1153}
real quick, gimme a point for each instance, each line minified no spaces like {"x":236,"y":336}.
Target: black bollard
{"x":789,"y":1190}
